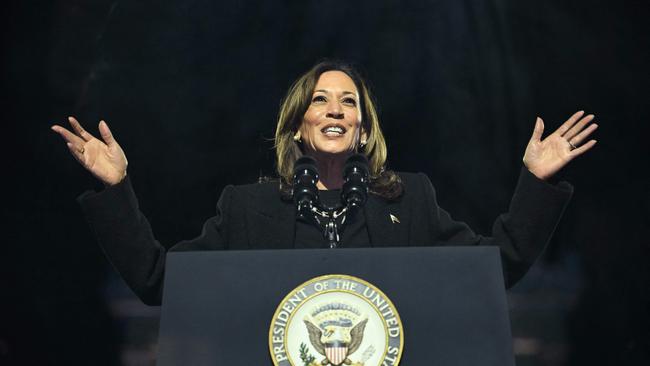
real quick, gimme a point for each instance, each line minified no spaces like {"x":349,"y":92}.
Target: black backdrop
{"x":191,"y":90}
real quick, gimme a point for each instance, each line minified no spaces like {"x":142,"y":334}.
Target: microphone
{"x":354,"y":195}
{"x":305,"y":192}
{"x":355,"y":187}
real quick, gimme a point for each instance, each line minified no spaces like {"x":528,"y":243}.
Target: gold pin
{"x":394,"y":219}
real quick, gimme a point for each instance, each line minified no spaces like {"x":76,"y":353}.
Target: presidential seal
{"x":336,"y":320}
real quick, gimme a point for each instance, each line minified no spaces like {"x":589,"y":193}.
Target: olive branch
{"x":306,"y":358}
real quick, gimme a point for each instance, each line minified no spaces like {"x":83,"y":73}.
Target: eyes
{"x":318,"y":99}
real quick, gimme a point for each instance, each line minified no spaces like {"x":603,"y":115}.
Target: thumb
{"x":107,"y":136}
{"x":538,"y":131}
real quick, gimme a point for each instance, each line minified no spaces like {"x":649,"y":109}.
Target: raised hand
{"x":546,"y":157}
{"x":104,"y":159}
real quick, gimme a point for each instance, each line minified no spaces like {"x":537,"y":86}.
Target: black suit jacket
{"x":255,"y":217}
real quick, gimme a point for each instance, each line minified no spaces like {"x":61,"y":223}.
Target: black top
{"x":353,"y":234}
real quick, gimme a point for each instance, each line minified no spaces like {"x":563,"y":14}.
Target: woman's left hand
{"x":546,"y":157}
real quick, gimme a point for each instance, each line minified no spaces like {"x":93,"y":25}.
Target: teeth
{"x":333,"y":129}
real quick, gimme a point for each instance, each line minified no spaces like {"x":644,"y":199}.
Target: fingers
{"x":577,"y":139}
{"x":582,"y":149}
{"x":107,"y":136}
{"x":79,"y":130}
{"x":579,"y":126}
{"x":538,"y":131}
{"x":68,"y":136}
{"x":569,"y":123}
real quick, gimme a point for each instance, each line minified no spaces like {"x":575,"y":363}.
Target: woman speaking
{"x":328,"y":115}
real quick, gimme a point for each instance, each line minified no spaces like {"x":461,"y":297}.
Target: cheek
{"x":307,"y":130}
{"x":310,"y":119}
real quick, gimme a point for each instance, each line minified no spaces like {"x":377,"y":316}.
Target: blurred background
{"x":191,"y":90}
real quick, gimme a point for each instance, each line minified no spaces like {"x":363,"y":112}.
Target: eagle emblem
{"x":336,"y":320}
{"x":335,"y":331}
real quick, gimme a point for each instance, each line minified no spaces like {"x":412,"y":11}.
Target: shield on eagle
{"x":335,"y":331}
{"x":336,"y":353}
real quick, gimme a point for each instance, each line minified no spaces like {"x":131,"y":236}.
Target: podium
{"x":223,"y":307}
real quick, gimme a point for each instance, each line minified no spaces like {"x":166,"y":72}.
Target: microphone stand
{"x":328,"y":220}
{"x":332,"y":230}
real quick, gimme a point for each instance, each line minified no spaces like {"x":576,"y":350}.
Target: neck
{"x":330,"y":171}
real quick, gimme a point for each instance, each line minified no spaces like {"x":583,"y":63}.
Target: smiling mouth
{"x":333,"y":130}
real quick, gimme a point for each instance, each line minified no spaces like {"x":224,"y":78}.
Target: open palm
{"x":546,"y":157}
{"x":104,"y":159}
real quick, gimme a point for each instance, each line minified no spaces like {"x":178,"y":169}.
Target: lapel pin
{"x":394,"y":219}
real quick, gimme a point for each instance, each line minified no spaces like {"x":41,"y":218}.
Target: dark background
{"x":191,"y":90}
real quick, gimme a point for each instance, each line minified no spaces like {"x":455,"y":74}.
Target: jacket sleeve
{"x":521,"y":233}
{"x":126,"y":237}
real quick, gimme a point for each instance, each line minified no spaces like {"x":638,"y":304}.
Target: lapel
{"x":270,"y":225}
{"x":385,"y":230}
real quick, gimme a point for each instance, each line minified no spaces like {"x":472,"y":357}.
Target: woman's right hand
{"x":104,"y":159}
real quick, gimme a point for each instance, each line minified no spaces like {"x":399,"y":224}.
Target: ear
{"x":297,"y":136}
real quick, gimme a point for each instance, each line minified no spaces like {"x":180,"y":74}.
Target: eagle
{"x":335,"y":342}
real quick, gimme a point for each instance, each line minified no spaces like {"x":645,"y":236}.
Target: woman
{"x":328,"y":114}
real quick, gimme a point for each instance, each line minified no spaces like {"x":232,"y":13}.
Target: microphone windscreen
{"x":305,"y":177}
{"x":305,"y":162}
{"x":358,"y":161}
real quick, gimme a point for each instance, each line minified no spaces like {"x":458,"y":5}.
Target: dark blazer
{"x":254,"y":216}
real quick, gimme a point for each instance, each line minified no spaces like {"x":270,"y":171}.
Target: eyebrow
{"x":327,"y":91}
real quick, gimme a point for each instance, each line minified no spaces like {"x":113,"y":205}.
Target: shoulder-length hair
{"x":383,"y":182}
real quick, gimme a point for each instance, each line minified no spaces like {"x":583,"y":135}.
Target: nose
{"x":334,"y":110}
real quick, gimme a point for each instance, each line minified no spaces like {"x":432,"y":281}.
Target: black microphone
{"x":355,"y":187}
{"x":305,"y":192}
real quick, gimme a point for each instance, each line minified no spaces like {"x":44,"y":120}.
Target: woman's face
{"x":332,"y":123}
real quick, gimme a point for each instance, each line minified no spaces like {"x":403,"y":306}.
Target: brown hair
{"x":383,"y":182}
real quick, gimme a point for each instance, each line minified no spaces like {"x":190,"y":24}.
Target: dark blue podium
{"x":218,"y":305}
